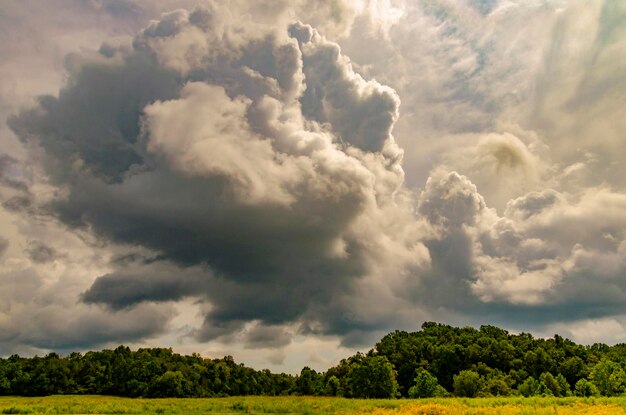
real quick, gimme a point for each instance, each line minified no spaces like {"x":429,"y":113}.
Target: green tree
{"x":467,"y":383}
{"x":585,"y":388}
{"x":498,"y":384}
{"x":563,"y":385}
{"x":533,"y":387}
{"x":372,"y":377}
{"x":5,"y":382}
{"x":307,"y":381}
{"x":425,"y":385}
{"x":608,"y":377}
{"x":168,"y":385}
{"x":333,"y":387}
{"x":573,"y":368}
{"x":551,"y":383}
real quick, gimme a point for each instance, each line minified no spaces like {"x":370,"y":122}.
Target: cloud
{"x":549,"y":251}
{"x":261,"y":336}
{"x":157,"y":282}
{"x":53,"y":328}
{"x":41,"y":253}
{"x":41,"y":313}
{"x":256,"y":169}
{"x":4,"y":245}
{"x":277,"y":357}
{"x":362,"y":113}
{"x":604,"y":330}
{"x":502,"y":166}
{"x":10,"y":174}
{"x":263,"y":158}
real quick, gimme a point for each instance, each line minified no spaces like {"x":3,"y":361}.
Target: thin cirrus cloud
{"x":274,"y":176}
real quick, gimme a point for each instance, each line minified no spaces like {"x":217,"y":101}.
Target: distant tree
{"x":5,"y":382}
{"x":333,"y":387}
{"x":533,"y":387}
{"x":585,"y":388}
{"x":472,"y":362}
{"x":608,"y":377}
{"x":498,"y":384}
{"x":425,"y":385}
{"x":168,"y":385}
{"x":551,"y":383}
{"x":372,"y":377}
{"x":467,"y":383}
{"x":307,"y":381}
{"x":573,"y":368}
{"x":563,"y":385}
{"x":538,"y":361}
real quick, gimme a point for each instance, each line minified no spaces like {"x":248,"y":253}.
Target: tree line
{"x":438,"y":360}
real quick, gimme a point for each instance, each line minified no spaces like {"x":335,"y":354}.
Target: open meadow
{"x":311,"y":405}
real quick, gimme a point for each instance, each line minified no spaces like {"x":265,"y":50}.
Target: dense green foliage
{"x":501,"y":364}
{"x":146,"y":372}
{"x":438,"y":360}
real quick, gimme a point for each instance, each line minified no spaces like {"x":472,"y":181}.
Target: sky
{"x":287,"y":181}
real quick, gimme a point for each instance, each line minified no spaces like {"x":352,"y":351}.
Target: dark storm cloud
{"x":133,"y":285}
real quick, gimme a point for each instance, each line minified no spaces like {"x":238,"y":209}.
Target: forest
{"x":437,"y":361}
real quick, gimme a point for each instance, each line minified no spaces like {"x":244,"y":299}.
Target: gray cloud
{"x":261,"y":336}
{"x":158,"y":282}
{"x":54,"y":328}
{"x":210,"y":151}
{"x":46,"y":316}
{"x":10,"y":175}
{"x":4,"y":245}
{"x":41,"y":253}
{"x":20,"y":203}
{"x":252,"y":168}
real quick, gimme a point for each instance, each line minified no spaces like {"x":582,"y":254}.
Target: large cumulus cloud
{"x":255,"y":164}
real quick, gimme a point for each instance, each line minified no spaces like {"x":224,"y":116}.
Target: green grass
{"x":232,"y":405}
{"x":306,"y":405}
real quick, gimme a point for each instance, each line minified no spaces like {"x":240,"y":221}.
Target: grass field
{"x":309,"y":405}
